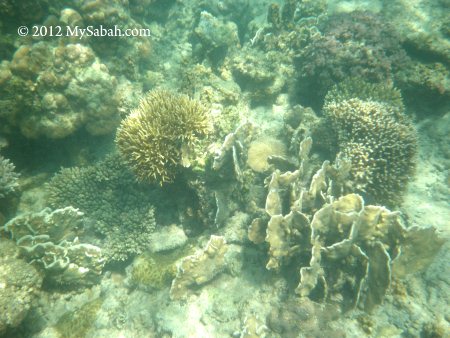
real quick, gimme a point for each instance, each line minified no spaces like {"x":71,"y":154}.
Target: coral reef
{"x":117,"y":208}
{"x":347,"y":44}
{"x":261,"y":75}
{"x":49,"y":240}
{"x":309,"y":247}
{"x":8,"y":178}
{"x":216,"y":37}
{"x":55,"y":90}
{"x":199,"y":268}
{"x":19,"y":283}
{"x":160,"y":135}
{"x":378,"y":139}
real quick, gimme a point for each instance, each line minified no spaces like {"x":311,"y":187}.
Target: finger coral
{"x":378,"y":139}
{"x":160,"y":134}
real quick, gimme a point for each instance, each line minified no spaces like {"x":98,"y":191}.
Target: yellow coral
{"x":155,"y":138}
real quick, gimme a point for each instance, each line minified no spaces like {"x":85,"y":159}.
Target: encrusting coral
{"x":375,"y":135}
{"x":160,"y":135}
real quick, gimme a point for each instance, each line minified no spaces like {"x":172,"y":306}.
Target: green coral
{"x":159,"y":136}
{"x":117,"y":207}
{"x":376,"y":136}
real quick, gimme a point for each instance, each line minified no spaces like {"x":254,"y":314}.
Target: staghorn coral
{"x":8,"y":178}
{"x":118,"y":208}
{"x":381,"y":144}
{"x":160,"y":135}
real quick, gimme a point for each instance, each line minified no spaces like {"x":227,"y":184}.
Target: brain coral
{"x":160,"y":134}
{"x":380,"y":143}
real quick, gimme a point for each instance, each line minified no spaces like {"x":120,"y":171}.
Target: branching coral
{"x":107,"y":193}
{"x":160,"y":135}
{"x":8,"y":178}
{"x":381,"y":144}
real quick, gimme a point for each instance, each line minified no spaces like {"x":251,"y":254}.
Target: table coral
{"x":159,"y":136}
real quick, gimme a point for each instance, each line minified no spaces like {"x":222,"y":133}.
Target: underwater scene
{"x":224,"y":168}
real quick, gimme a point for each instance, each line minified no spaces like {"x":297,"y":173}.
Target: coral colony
{"x":230,"y":169}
